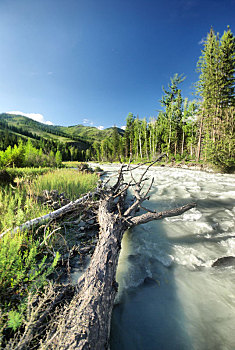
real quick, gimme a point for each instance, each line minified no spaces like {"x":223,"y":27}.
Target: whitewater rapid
{"x":170,"y":297}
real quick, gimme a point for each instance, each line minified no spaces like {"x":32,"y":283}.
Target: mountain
{"x":88,"y":133}
{"x":78,"y":135}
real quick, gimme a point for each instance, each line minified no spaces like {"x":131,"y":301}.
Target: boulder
{"x":225,"y":261}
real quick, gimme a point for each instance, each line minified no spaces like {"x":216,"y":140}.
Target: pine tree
{"x":216,"y":88}
{"x":172,"y":101}
{"x":115,"y":142}
{"x":227,"y":68}
{"x":129,"y":135}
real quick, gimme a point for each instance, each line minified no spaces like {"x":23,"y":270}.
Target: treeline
{"x":29,"y":156}
{"x":201,"y":130}
{"x":68,"y":150}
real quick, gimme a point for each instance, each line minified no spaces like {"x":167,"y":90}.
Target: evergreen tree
{"x":129,"y":135}
{"x":96,"y":147}
{"x":115,"y":142}
{"x":216,"y":88}
{"x":172,"y":102}
{"x":227,"y":69}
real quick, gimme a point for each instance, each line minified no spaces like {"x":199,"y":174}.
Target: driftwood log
{"x":86,"y":322}
{"x":50,"y":216}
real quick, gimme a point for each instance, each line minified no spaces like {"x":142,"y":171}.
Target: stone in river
{"x":225,"y":261}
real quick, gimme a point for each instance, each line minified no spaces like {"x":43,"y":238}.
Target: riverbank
{"x":209,"y":168}
{"x":33,"y":261}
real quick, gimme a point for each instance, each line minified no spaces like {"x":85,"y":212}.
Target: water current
{"x":170,"y":297}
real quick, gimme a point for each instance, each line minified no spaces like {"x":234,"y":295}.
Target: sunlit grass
{"x":71,"y":164}
{"x":70,"y":181}
{"x":18,"y":202}
{"x":27,"y":172}
{"x":17,"y":206}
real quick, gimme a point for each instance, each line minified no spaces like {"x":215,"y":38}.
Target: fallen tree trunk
{"x":86,"y":322}
{"x":50,"y":216}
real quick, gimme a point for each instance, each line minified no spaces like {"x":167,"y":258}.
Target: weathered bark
{"x":86,"y":324}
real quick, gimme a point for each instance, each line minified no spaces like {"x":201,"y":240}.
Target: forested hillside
{"x":74,"y":142}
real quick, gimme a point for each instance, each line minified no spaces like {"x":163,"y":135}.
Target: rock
{"x":53,"y":199}
{"x":225,"y":261}
{"x":148,"y":281}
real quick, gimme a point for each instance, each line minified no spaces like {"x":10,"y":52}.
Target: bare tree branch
{"x":150,"y":216}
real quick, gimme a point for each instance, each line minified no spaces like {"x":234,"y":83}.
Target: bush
{"x":23,"y":270}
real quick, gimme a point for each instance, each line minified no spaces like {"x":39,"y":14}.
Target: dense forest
{"x":200,"y":130}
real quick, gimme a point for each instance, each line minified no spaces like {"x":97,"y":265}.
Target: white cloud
{"x":87,"y":121}
{"x":123,"y":127}
{"x":35,"y":116}
{"x":100,"y":127}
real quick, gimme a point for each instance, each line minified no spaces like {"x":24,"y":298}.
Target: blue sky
{"x":94,"y":61}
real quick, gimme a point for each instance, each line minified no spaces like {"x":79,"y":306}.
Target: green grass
{"x":18,"y":202}
{"x":70,"y":164}
{"x":24,"y":268}
{"x":25,"y":173}
{"x":25,"y":263}
{"x":70,"y":181}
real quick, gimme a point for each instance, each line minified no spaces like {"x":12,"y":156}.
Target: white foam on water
{"x":192,"y":215}
{"x":229,"y":245}
{"x":182,"y":251}
{"x":226,"y":225}
{"x":190,"y":257}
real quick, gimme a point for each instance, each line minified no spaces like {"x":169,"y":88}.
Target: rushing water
{"x":185,"y":303}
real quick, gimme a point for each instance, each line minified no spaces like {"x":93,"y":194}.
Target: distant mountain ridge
{"x":82,"y":136}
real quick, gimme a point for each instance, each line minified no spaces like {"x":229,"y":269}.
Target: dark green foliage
{"x":216,"y":87}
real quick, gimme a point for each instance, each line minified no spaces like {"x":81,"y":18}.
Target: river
{"x":170,"y":297}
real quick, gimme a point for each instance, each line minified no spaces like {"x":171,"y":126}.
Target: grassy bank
{"x":25,"y":260}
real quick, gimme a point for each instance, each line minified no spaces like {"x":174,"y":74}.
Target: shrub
{"x":23,"y":269}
